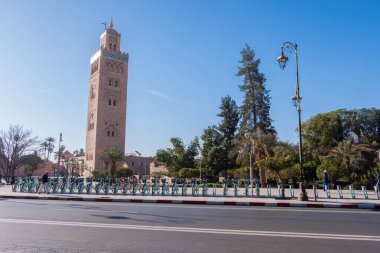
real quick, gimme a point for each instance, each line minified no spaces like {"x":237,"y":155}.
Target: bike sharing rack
{"x":184,"y":187}
{"x":155,"y":186}
{"x":327,"y":191}
{"x":145,"y":187}
{"x":124,"y":186}
{"x":269,"y":190}
{"x":291,"y":190}
{"x":204,"y":187}
{"x":280,"y":188}
{"x":340,"y":192}
{"x":246,"y":187}
{"x":174,"y":186}
{"x":236,"y":186}
{"x":364,"y":192}
{"x":352,"y":192}
{"x":225,"y":187}
{"x":315,"y":190}
{"x":377,"y":191}
{"x":214,"y":190}
{"x":194,"y":187}
{"x":163,"y":186}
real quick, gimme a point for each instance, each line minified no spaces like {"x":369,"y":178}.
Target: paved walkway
{"x":321,"y":202}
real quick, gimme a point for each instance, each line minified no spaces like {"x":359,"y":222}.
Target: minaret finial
{"x":111,"y":24}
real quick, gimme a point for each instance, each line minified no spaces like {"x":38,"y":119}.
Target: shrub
{"x":123,"y":172}
{"x":189,"y":172}
{"x":100,"y":173}
{"x":334,"y":168}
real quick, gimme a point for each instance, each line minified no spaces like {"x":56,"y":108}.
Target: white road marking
{"x":244,"y":208}
{"x":199,"y":230}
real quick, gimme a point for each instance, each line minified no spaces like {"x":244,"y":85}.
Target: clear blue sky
{"x":183,"y":58}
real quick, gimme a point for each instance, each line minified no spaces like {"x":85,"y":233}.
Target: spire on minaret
{"x":111,"y":24}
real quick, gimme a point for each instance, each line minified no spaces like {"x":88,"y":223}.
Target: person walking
{"x":45,"y":183}
{"x":378,"y":180}
{"x":325,"y":180}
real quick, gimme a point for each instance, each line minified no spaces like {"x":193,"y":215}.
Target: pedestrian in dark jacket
{"x":45,"y":183}
{"x":378,"y":180}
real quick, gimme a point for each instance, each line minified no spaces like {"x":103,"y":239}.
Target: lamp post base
{"x":302,"y":195}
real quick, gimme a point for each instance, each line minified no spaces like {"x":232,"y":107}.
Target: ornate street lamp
{"x":282,"y":60}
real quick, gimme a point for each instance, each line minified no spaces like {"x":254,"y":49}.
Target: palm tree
{"x":59,"y":154}
{"x":262,"y":145}
{"x":50,"y":146}
{"x":112,"y":156}
{"x":351,"y":154}
{"x":44,"y":147}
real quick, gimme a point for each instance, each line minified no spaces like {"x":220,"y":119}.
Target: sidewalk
{"x":322,"y":202}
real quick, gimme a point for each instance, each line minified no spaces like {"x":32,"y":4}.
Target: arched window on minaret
{"x":111,"y":130}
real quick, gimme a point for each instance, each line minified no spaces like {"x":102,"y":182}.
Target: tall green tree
{"x":219,"y":143}
{"x":256,"y":104}
{"x":364,"y":125}
{"x":323,"y":132}
{"x":214,"y":156}
{"x":230,"y":116}
{"x":179,"y":156}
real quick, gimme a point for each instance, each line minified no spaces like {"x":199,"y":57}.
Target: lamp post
{"x":248,"y":148}
{"x":282,"y":60}
{"x":138,"y":161}
{"x":59,"y":154}
{"x":200,"y":163}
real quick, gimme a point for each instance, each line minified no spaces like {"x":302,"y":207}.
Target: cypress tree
{"x":256,"y":104}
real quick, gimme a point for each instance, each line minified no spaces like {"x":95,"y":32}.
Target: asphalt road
{"x":64,"y":226}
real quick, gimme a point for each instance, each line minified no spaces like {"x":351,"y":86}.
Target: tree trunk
{"x":283,"y":191}
{"x":263,"y":179}
{"x":113,"y":170}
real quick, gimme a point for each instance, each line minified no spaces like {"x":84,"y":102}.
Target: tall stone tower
{"x":107,"y":100}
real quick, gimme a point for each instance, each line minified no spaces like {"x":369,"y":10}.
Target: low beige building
{"x":140,"y":165}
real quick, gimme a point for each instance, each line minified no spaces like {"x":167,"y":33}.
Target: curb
{"x":204,"y":202}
